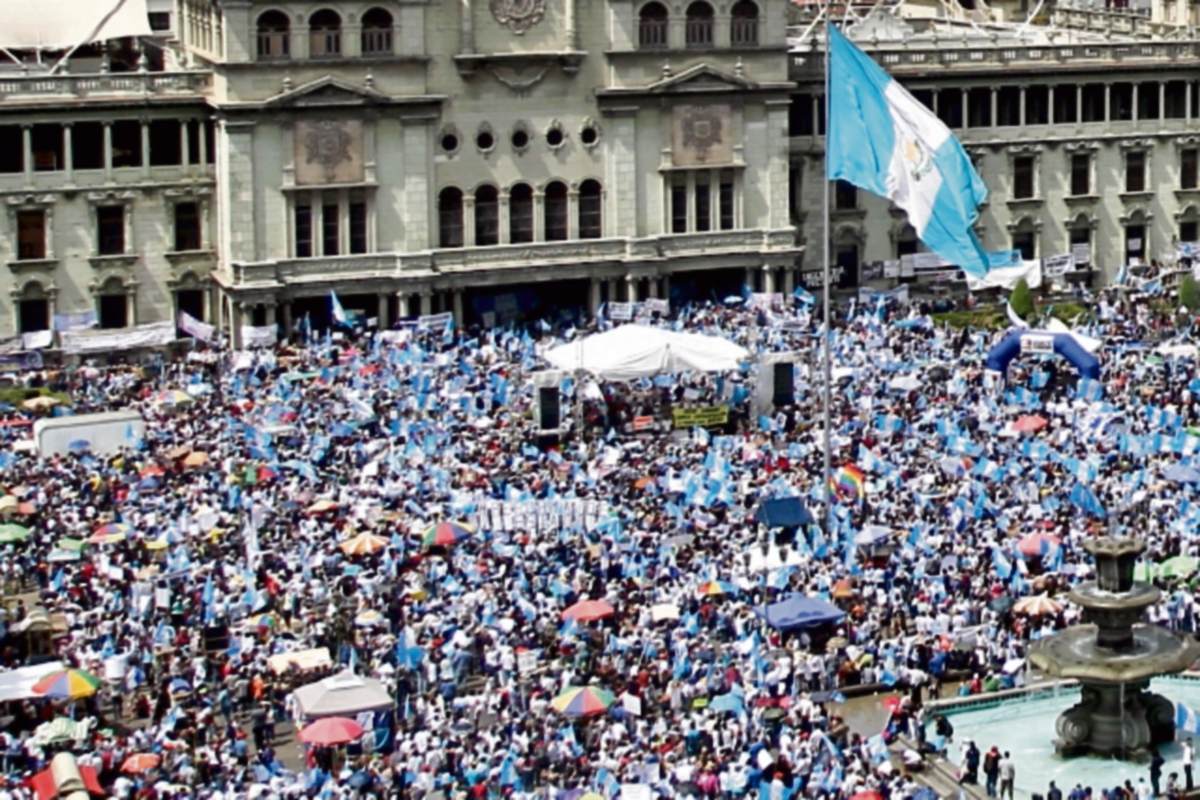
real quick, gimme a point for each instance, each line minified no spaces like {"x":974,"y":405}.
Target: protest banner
{"x":700,"y":417}
{"x":538,"y":515}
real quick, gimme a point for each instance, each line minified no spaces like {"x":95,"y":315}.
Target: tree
{"x":1021,"y":300}
{"x":1189,"y":294}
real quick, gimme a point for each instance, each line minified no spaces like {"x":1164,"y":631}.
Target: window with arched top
{"x":698,"y":30}
{"x":450,"y":217}
{"x":377,"y":33}
{"x":555,"y":210}
{"x":520,"y":214}
{"x":487,"y":216}
{"x":33,"y":308}
{"x":113,"y":302}
{"x":273,"y":35}
{"x":743,"y":23}
{"x":652,"y":26}
{"x":325,"y":34}
{"x":590,"y":211}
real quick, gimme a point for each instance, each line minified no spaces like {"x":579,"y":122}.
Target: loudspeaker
{"x":549,"y":408}
{"x":783,"y":391}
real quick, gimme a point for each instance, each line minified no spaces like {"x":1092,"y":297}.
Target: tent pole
{"x":826,"y":346}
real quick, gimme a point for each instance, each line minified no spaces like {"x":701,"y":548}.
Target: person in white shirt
{"x":1189,"y":757}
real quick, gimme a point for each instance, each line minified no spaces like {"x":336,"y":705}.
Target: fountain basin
{"x":1074,"y":653}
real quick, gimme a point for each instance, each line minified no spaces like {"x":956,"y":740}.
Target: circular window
{"x":520,"y":139}
{"x":554,"y":137}
{"x":485,"y":141}
{"x":450,"y":143}
{"x":589,"y":136}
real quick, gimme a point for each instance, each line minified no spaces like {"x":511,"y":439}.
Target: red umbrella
{"x":867,"y":795}
{"x":1029,"y":423}
{"x":892,"y":703}
{"x":1037,"y":544}
{"x":331,"y":730}
{"x":140,"y":762}
{"x":588,"y":610}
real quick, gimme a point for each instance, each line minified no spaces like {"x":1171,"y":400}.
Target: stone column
{"x":131,"y":304}
{"x":401,"y":305}
{"x":185,"y":147}
{"x":614,"y":290}
{"x":68,"y":155}
{"x":768,"y":278}
{"x":1022,"y":110}
{"x":236,"y":316}
{"x":505,"y":227}
{"x":385,"y":321}
{"x":145,"y":150}
{"x":27,"y":154}
{"x":631,"y":285}
{"x":539,"y":208}
{"x":652,"y":288}
{"x":285,"y":309}
{"x":1050,"y":106}
{"x":666,"y":287}
{"x":994,"y":94}
{"x":1135,"y":111}
{"x":202,"y":137}
{"x":458,"y":308}
{"x":789,"y":282}
{"x":573,"y":212}
{"x":593,"y":296}
{"x":1108,"y":102}
{"x":269,"y":308}
{"x":426,"y":302}
{"x":469,"y":220}
{"x":749,"y":279}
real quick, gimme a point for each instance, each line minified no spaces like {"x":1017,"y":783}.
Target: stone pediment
{"x":326,"y":92}
{"x":700,"y":78}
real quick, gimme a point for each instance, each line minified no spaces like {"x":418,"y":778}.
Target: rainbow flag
{"x":847,"y":483}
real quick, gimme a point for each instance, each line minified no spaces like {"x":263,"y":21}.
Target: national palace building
{"x":497,"y":159}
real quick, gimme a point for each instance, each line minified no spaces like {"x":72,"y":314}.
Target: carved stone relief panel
{"x":702,"y":135}
{"x":518,"y":15}
{"x":329,"y":151}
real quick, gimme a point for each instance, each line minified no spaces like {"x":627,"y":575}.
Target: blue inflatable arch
{"x":1065,"y":345}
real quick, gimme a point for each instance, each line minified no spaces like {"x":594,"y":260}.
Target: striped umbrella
{"x":173,"y":397}
{"x":446,"y":533}
{"x":67,"y":684}
{"x":363,"y":544}
{"x":583,"y":701}
{"x":588,"y":610}
{"x":11,"y":532}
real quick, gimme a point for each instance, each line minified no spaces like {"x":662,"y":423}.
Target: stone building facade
{"x":1081,"y":140}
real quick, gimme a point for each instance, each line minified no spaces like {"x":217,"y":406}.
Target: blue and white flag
{"x":335,"y":308}
{"x":1186,"y":719}
{"x":884,"y":140}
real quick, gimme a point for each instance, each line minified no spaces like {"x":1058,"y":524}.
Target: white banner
{"x":1082,"y":253}
{"x":1056,"y":266}
{"x":1037,"y":343}
{"x":195,"y":328}
{"x":927,"y":262}
{"x":654,"y":304}
{"x":155,"y":334}
{"x":1007,"y":277}
{"x":431,"y":322}
{"x":538,"y":515}
{"x":766,"y":301}
{"x":262,"y":336}
{"x":620,"y":311}
{"x":38,"y":340}
{"x":891,"y":268}
{"x":868,"y":295}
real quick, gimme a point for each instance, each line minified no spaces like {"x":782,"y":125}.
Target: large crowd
{"x":175,"y":570}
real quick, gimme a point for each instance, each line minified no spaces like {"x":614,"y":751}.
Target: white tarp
{"x":59,"y":24}
{"x":342,"y":695}
{"x":155,"y":334}
{"x":1007,"y":277}
{"x":17,"y":684}
{"x":638,"y":351}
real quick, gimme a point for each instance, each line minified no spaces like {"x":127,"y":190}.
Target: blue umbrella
{"x":79,"y":446}
{"x":147,"y":484}
{"x":727,"y":702}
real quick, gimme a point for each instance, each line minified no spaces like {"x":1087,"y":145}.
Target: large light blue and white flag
{"x":335,"y":308}
{"x":1186,"y":719}
{"x":884,"y":140}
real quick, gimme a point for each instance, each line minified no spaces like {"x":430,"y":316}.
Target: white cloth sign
{"x":1054,"y":266}
{"x":37,"y":340}
{"x":261,"y":336}
{"x":538,"y":515}
{"x":155,"y":334}
{"x":1007,"y":277}
{"x":195,"y":328}
{"x":431,"y":322}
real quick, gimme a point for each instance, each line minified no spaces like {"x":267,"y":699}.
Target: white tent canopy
{"x":638,"y":351}
{"x":341,"y":695}
{"x":55,"y":24}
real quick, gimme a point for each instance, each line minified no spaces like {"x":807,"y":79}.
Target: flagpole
{"x":828,"y":331}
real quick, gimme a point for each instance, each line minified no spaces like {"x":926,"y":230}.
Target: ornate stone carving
{"x":702,"y":135}
{"x":519,"y":80}
{"x":518,"y":15}
{"x":328,"y":144}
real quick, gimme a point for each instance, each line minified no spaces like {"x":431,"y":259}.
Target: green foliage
{"x":1189,"y":294}
{"x":984,"y":318}
{"x":1022,"y":300}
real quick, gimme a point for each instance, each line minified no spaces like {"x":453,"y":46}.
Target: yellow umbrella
{"x":157,"y":544}
{"x":8,"y":503}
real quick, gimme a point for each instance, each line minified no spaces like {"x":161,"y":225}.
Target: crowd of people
{"x":217,"y":539}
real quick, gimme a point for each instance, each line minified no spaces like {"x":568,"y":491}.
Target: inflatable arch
{"x":1064,"y":344}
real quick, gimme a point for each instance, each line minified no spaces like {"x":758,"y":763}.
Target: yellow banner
{"x":700,"y":417}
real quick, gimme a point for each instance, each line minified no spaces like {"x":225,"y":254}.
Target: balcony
{"x":533,"y":258}
{"x":114,"y":85}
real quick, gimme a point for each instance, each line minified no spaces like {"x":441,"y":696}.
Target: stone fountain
{"x":1113,"y":656}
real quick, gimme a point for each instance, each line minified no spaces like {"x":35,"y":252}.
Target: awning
{"x":342,"y":695}
{"x":18,"y":684}
{"x":798,"y":611}
{"x":59,"y":24}
{"x":638,"y":351}
{"x":302,"y":660}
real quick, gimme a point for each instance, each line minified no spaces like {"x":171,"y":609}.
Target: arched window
{"x":33,"y":308}
{"x":377,"y":33}
{"x":698,"y":32}
{"x":652,"y":26}
{"x":743,"y":24}
{"x":556,"y":212}
{"x":520,"y":214}
{"x":1024,"y":238}
{"x":273,"y":36}
{"x":325,"y":34}
{"x":487,"y":216}
{"x":590,"y":218}
{"x":450,"y":217}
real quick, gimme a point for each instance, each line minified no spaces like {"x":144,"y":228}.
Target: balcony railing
{"x":100,"y":85}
